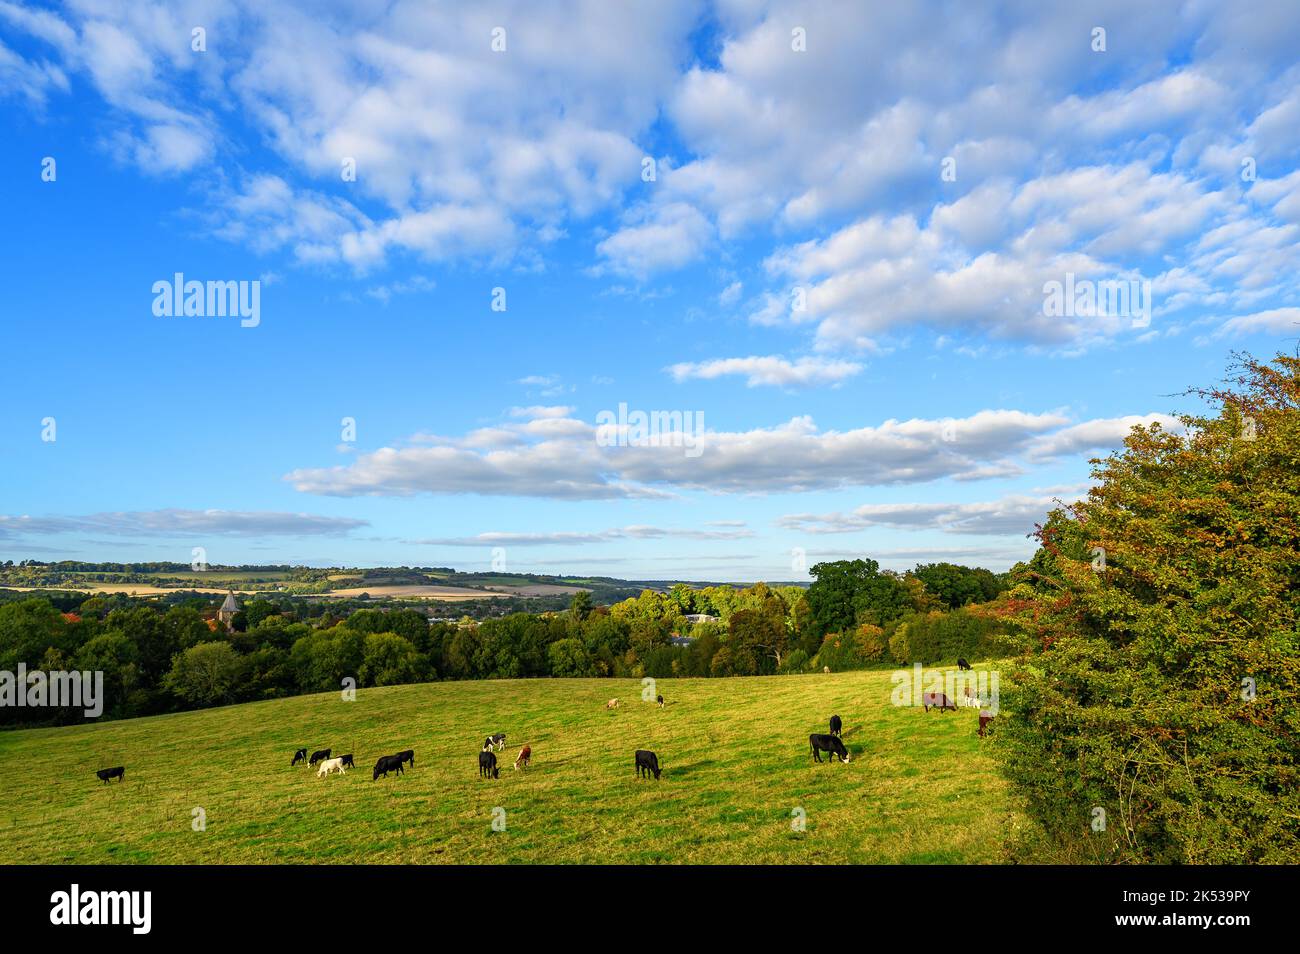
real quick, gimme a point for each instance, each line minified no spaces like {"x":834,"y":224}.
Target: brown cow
{"x":525,"y":755}
{"x":937,"y":699}
{"x":984,"y":721}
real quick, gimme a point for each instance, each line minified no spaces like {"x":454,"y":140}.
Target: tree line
{"x":161,"y":658}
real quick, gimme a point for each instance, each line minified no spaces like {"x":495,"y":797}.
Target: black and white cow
{"x":487,"y":764}
{"x":317,"y":756}
{"x":386,"y":764}
{"x":837,"y":727}
{"x":829,"y":744}
{"x":660,"y":700}
{"x":646,"y":763}
{"x":108,"y":774}
{"x":299,"y":756}
{"x":495,"y":742}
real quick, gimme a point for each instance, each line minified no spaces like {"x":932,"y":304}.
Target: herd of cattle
{"x":341,"y":763}
{"x":646,"y":762}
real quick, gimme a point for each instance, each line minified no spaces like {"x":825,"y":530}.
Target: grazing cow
{"x":111,"y":773}
{"x":495,"y":742}
{"x":299,"y":756}
{"x":612,"y":704}
{"x":962,"y":663}
{"x":829,"y":744}
{"x":837,"y":727}
{"x":317,"y":756}
{"x":525,"y":757}
{"x":330,"y":765}
{"x":347,"y":761}
{"x":487,"y":765}
{"x":406,"y":755}
{"x":386,"y":764}
{"x":660,"y":700}
{"x":984,"y":721}
{"x":972,"y":698}
{"x":826,"y":670}
{"x":646,"y":762}
{"x":938,"y":700}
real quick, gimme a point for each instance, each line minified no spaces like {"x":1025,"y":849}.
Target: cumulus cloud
{"x":1110,"y":167}
{"x":566,"y":458}
{"x":1103,"y":433}
{"x":662,"y":238}
{"x":772,"y":370}
{"x":1281,"y":321}
{"x":1012,"y":514}
{"x":400,"y":91}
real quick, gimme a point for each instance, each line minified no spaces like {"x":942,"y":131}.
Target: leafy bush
{"x":1167,"y":605}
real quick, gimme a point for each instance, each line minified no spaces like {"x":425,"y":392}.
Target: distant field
{"x":131,"y":589}
{"x":440,"y":592}
{"x":414,"y":591}
{"x":734,"y":752}
{"x":223,"y":575}
{"x":227,"y":582}
{"x":541,"y":589}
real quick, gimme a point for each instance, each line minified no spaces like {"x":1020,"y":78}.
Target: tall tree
{"x":1168,"y":603}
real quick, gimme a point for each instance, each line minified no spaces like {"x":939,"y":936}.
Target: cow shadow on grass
{"x":851,"y":730}
{"x":678,"y":771}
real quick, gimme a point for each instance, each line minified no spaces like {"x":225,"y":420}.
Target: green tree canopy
{"x":1168,"y":603}
{"x":207,"y":674}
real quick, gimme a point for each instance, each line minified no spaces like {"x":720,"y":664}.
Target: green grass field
{"x":734,"y":753}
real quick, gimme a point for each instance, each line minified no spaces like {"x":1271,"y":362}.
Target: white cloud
{"x":187,"y":523}
{"x":1281,"y":321}
{"x":569,"y":459}
{"x":669,"y":237}
{"x":772,"y":370}
{"x":1103,"y":433}
{"x":1014,"y":514}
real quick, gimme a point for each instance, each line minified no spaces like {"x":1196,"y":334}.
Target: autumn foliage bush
{"x":1160,"y":721}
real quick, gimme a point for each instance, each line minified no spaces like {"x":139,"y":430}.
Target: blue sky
{"x":837,"y":273}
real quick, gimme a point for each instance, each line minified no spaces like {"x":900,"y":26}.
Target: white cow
{"x":330,"y":765}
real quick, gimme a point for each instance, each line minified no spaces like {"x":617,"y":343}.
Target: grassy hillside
{"x":919,"y":789}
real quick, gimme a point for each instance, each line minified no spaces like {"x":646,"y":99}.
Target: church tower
{"x":228,"y":610}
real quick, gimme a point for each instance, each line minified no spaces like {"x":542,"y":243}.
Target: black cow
{"x":646,"y":762}
{"x":830,"y":745}
{"x":386,"y":764}
{"x":938,"y":700}
{"x":487,"y":765}
{"x":962,"y":663}
{"x":406,"y":755}
{"x":111,"y":773}
{"x":347,"y":761}
{"x":317,"y":756}
{"x":837,"y":727}
{"x":299,"y":756}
